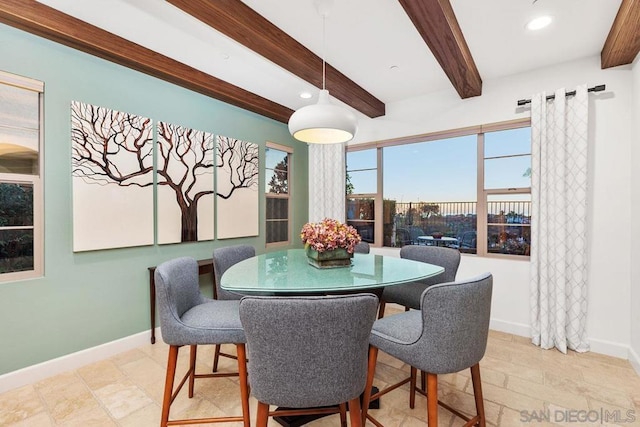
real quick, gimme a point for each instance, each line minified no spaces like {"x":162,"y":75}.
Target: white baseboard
{"x":634,"y":358}
{"x":519,"y":329}
{"x":40,"y":371}
{"x":597,"y":346}
{"x":609,"y":348}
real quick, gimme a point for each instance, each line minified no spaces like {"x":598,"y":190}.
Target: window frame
{"x":35,"y":180}
{"x":287,"y":196}
{"x":482,"y":194}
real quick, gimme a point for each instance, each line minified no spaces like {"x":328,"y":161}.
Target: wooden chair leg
{"x":263,"y":415}
{"x":192,"y":368}
{"x":216,"y":357}
{"x":423,"y":381}
{"x":477,"y":394}
{"x":244,"y":386}
{"x":381,"y":309}
{"x":168,"y":384}
{"x":355,"y":414}
{"x":371,"y":370}
{"x":412,"y":388}
{"x":432,"y":400}
{"x":343,"y":415}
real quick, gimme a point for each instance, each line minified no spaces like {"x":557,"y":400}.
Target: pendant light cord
{"x":324,"y":49}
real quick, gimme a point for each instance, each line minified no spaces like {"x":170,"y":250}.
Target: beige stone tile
{"x":489,"y":376}
{"x":614,"y":414}
{"x":20,"y":404}
{"x":501,"y":337}
{"x":100,"y":374}
{"x":41,"y":419}
{"x":547,"y":393}
{"x":588,"y":390}
{"x":95,"y":417}
{"x":69,"y":400}
{"x":122,"y":398}
{"x":222,"y":392}
{"x":532,"y":373}
{"x":128,"y":357}
{"x":56,"y":382}
{"x":538,"y":418}
{"x":624,"y":378}
{"x":465,"y":403}
{"x":144,"y":371}
{"x":149,"y":416}
{"x":510,"y":399}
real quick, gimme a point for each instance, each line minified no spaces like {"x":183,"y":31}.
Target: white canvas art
{"x":112,"y":176}
{"x":185,"y":184}
{"x":237,"y":168}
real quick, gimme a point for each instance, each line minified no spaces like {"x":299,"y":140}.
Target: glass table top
{"x":289,"y":272}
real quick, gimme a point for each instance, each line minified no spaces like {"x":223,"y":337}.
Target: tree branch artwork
{"x":237,"y":170}
{"x":112,"y":170}
{"x":185,"y":166}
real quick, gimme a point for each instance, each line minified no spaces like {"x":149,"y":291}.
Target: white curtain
{"x":559,"y":143}
{"x":326,"y":182}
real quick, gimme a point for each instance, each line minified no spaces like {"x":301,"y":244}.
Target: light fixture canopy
{"x":323,"y":123}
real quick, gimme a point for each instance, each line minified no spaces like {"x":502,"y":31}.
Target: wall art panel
{"x":185,"y":184}
{"x":112,"y":176}
{"x":237,"y":203}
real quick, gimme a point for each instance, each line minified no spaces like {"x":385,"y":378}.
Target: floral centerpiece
{"x":329,"y":243}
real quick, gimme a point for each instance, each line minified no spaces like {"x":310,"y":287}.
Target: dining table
{"x":288,"y":272}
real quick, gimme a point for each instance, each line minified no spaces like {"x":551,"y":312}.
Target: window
{"x":277,"y":189}
{"x":361,"y":189}
{"x":507,"y":191}
{"x":20,"y":178}
{"x":467,"y":189}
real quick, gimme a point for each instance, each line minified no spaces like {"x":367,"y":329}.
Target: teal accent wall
{"x":90,"y":298}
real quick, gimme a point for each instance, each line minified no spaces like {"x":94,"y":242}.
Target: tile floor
{"x":521,"y":383}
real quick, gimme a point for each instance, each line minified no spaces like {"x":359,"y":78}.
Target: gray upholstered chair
{"x":448,"y":334}
{"x":362,"y":248}
{"x":223,"y":258}
{"x":409,"y":294}
{"x":189,"y":318}
{"x":307,"y":353}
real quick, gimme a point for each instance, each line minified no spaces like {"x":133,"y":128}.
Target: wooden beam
{"x":438,"y":26}
{"x":623,"y":42}
{"x":44,"y":21}
{"x":238,"y":21}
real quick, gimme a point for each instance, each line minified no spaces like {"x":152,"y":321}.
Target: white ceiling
{"x":364,"y":39}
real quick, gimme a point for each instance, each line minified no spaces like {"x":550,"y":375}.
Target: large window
{"x":362,"y":189}
{"x":277,"y":189}
{"x":20,"y":178}
{"x":467,"y":189}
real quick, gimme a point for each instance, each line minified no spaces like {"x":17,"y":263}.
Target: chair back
{"x":177,"y":290}
{"x":455,"y":321}
{"x":225,"y":257}
{"x":447,"y":258}
{"x":362,"y":248}
{"x":307,"y":352}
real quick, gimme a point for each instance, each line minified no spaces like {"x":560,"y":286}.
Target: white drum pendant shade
{"x":323,"y":123}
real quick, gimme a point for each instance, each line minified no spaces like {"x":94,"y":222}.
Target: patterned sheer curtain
{"x":559,"y":139}
{"x":326,"y":182}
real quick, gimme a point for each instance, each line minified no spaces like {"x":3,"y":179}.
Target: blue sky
{"x":444,"y":170}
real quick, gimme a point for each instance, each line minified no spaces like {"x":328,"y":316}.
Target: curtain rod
{"x":598,"y":88}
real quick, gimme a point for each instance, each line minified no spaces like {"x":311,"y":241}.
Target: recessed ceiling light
{"x":305,"y":95}
{"x":539,"y":23}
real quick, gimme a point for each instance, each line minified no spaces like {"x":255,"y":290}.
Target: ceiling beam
{"x":44,"y":21}
{"x":238,"y":21}
{"x":438,"y":26}
{"x":623,"y":42}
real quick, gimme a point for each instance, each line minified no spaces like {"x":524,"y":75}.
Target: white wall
{"x":609,"y":322}
{"x":635,"y":226}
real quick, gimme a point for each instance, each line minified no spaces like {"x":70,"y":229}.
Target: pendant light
{"x":323,"y":122}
